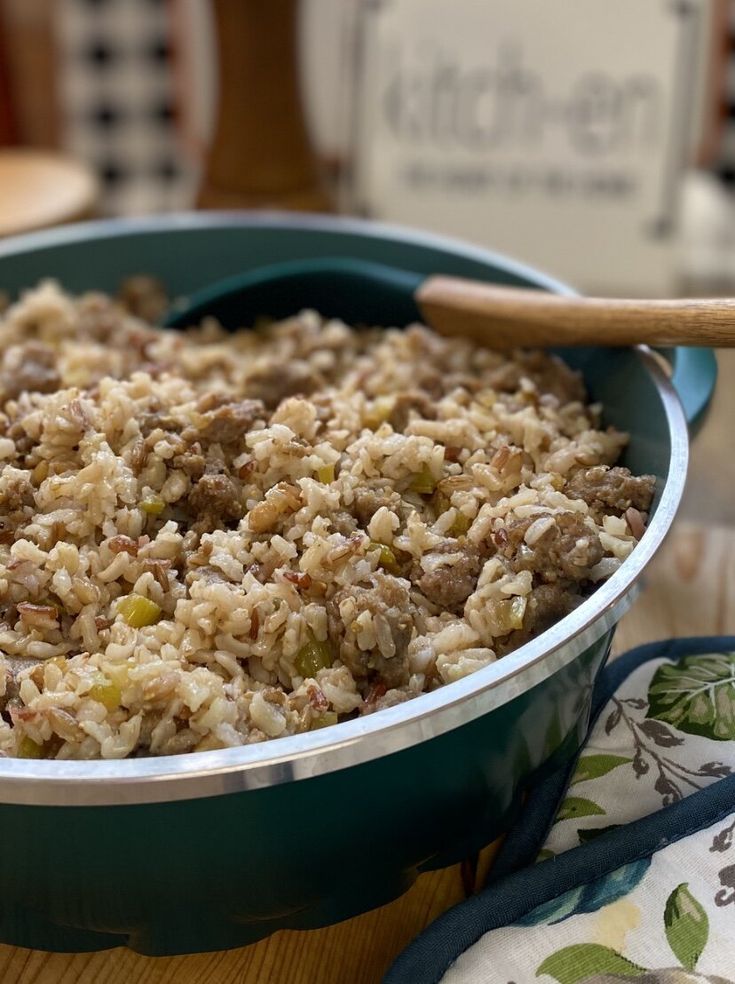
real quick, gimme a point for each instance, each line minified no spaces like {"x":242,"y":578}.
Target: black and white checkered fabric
{"x":116,"y":83}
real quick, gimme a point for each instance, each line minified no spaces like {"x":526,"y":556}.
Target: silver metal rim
{"x":214,"y":773}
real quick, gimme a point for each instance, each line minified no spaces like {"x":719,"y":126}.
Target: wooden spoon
{"x":363,"y":292}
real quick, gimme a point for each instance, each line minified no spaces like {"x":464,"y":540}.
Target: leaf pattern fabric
{"x":659,"y":739}
{"x":687,"y":926}
{"x":667,"y":733}
{"x":636,"y":921}
{"x":697,"y":695}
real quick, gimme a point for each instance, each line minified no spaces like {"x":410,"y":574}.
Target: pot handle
{"x":693,"y":376}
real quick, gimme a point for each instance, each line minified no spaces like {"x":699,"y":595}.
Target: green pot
{"x":218,"y":849}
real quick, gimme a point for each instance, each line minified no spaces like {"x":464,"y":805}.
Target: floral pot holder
{"x":622,"y":866}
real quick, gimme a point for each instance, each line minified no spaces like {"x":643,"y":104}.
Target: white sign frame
{"x":404,"y":134}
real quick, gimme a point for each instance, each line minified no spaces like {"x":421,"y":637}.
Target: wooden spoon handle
{"x":509,"y":317}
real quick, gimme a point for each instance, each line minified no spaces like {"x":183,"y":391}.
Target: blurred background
{"x":596,"y":140}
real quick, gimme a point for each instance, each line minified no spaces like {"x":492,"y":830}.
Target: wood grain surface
{"x":40,"y":189}
{"x":31,"y":67}
{"x":261,"y":153}
{"x":690,"y":590}
{"x":514,"y":316}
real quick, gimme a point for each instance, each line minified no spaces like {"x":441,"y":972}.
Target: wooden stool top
{"x":39,"y":189}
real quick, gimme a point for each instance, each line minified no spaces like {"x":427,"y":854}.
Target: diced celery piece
{"x":29,"y":749}
{"x":387,"y":558}
{"x":139,"y":611}
{"x":153,"y":505}
{"x":423,"y":482}
{"x":313,"y":656}
{"x":325,"y":720}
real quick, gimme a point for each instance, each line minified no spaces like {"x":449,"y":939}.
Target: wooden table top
{"x":689,"y":592}
{"x":40,"y":189}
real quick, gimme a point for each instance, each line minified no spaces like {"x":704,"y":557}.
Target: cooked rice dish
{"x":208,"y":540}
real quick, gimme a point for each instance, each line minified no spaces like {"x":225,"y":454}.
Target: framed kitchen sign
{"x":557,"y":132}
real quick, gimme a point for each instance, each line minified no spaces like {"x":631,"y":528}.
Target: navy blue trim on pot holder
{"x":518,"y":885}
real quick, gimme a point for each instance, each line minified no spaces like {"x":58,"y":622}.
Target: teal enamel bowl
{"x":219,"y":849}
